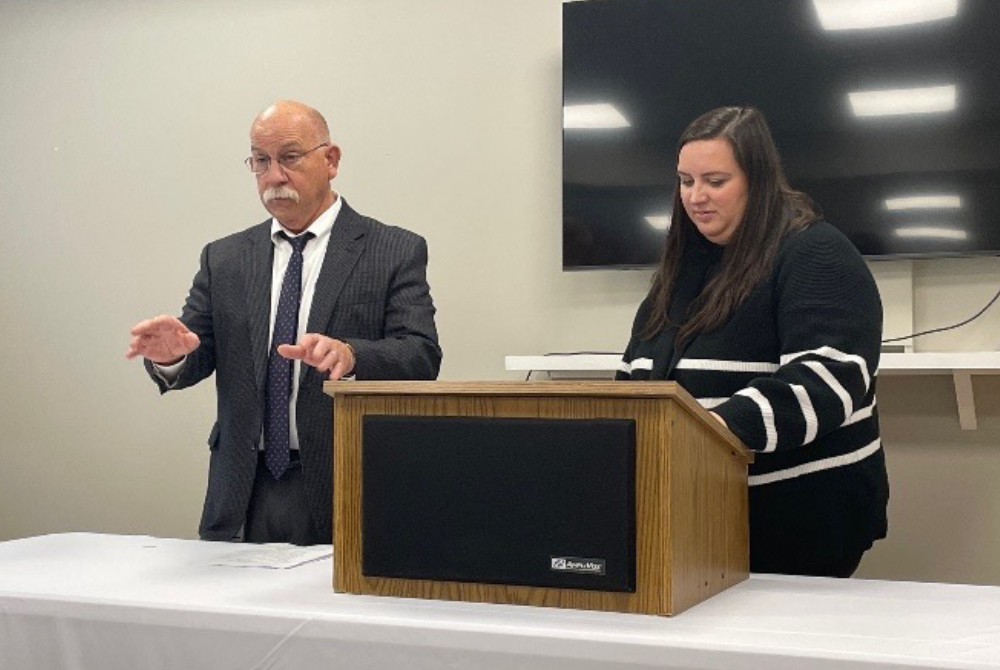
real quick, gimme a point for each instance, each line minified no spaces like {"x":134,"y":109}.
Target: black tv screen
{"x":886,"y":112}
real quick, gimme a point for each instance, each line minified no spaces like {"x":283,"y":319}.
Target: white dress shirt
{"x":312,"y":262}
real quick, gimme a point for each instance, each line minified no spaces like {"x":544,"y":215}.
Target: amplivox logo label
{"x":585,"y":566}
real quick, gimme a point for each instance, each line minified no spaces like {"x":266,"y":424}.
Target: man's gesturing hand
{"x":162,"y":339}
{"x":323,"y":353}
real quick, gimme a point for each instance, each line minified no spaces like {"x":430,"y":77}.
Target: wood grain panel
{"x":690,"y":487}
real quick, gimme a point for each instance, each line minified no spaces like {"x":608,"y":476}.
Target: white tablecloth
{"x":108,"y":602}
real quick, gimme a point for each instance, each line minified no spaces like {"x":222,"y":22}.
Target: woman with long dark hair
{"x":769,"y":317}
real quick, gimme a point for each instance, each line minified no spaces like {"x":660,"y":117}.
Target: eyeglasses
{"x":289,"y":160}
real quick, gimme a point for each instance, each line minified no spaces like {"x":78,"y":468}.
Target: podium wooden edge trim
{"x":605,"y":389}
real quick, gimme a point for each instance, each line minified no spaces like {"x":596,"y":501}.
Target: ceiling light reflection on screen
{"x":601,"y":115}
{"x":924,"y":100}
{"x":932,"y":232}
{"x":869,"y":14}
{"x":924,"y":202}
{"x":659,"y":221}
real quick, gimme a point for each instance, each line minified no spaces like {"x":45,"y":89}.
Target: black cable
{"x":940,"y":330}
{"x":885,"y":341}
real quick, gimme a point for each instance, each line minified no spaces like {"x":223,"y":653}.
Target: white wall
{"x":122,"y":130}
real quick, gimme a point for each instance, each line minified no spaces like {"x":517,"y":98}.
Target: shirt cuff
{"x":168,"y":374}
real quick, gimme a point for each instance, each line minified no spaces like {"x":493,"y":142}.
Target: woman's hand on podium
{"x":163,"y":340}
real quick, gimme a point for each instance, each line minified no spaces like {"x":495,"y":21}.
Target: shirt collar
{"x":319,"y":228}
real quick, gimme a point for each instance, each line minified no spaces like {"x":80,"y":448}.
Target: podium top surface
{"x":608,"y":389}
{"x":645,"y":390}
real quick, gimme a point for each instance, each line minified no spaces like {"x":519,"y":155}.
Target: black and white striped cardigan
{"x":793,"y":374}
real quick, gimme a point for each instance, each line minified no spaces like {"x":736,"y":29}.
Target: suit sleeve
{"x":829,"y":320}
{"x":409,"y":347}
{"x":197,"y":316}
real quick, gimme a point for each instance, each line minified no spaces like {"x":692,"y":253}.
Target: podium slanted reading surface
{"x":487,"y":491}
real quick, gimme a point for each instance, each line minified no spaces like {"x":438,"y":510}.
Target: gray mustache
{"x":285,"y":192}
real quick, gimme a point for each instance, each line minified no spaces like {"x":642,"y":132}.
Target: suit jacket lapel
{"x":342,"y":254}
{"x":259,"y":260}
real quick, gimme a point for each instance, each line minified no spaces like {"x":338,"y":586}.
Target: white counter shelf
{"x":961,"y":366}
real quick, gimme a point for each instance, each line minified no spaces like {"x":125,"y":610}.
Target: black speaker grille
{"x":525,"y":501}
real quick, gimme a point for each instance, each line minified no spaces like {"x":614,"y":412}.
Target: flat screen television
{"x":886,"y":112}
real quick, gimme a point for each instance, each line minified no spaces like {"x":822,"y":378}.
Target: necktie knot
{"x":298,"y":243}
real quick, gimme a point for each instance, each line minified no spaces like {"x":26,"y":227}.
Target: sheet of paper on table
{"x":277,"y":556}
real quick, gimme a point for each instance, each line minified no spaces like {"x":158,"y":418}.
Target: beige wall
{"x":122,"y":128}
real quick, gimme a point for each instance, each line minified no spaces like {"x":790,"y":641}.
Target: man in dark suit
{"x":318,"y":291}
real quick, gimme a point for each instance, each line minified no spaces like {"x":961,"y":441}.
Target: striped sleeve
{"x":629,"y":364}
{"x":633,"y":365}
{"x":829,"y":317}
{"x":624,"y":372}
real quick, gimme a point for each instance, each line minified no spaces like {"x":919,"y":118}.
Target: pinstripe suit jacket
{"x":371,"y":292}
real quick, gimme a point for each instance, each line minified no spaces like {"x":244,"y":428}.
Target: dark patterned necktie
{"x":279,"y":368}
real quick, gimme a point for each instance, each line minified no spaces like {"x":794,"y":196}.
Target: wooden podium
{"x":691,"y":523}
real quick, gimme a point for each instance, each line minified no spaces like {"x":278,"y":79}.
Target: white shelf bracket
{"x":966,"y":400}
